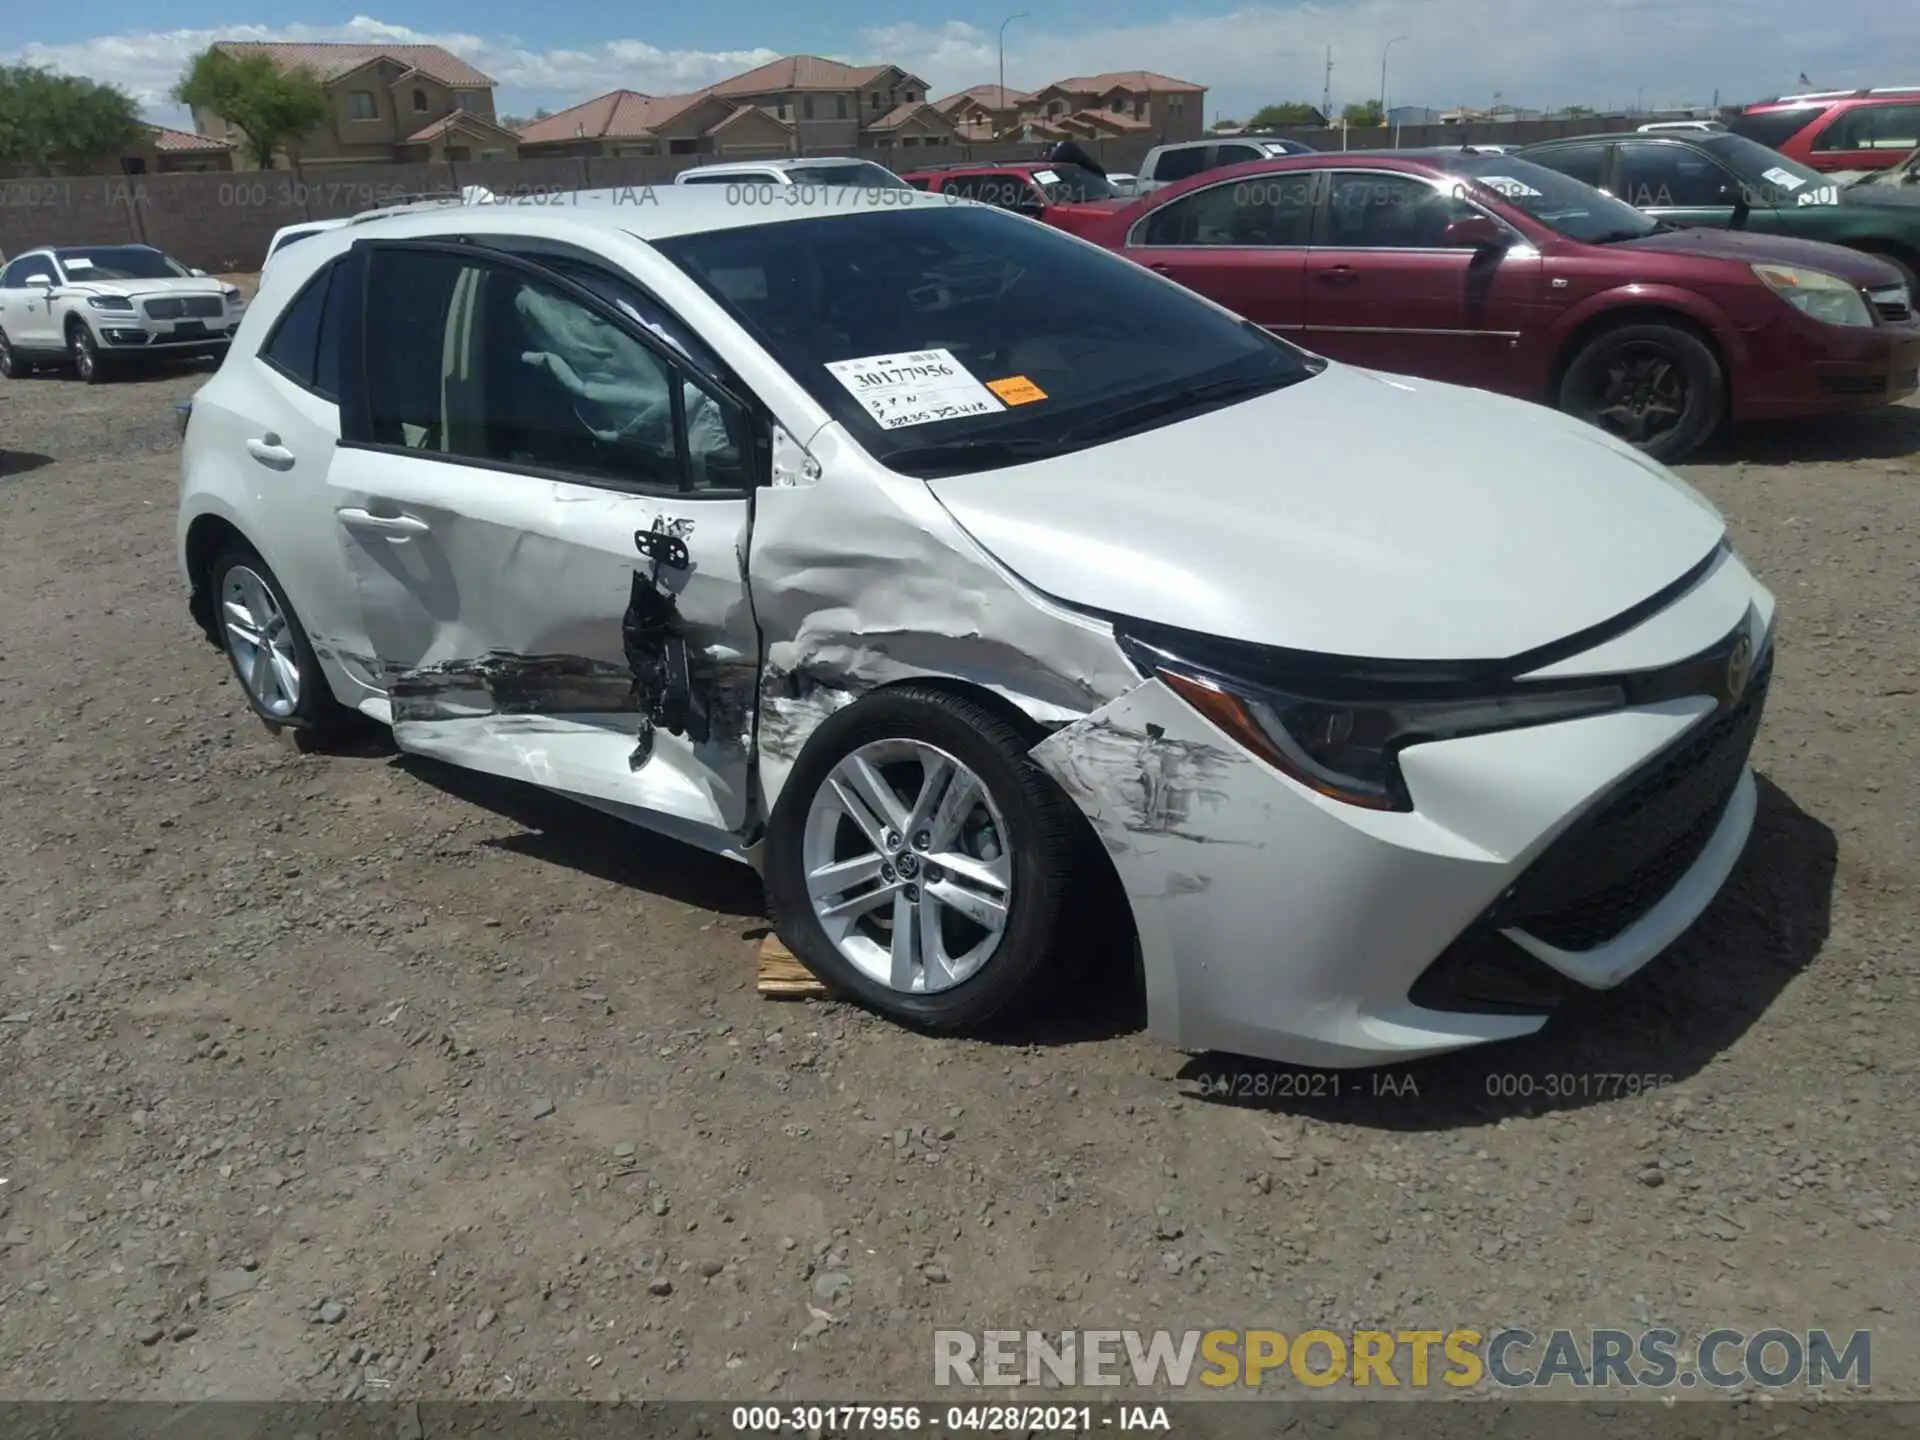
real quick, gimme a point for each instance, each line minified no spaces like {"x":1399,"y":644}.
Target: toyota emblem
{"x":1739,"y":668}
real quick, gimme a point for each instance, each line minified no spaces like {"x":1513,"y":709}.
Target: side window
{"x":1179,"y":164}
{"x":474,"y":360}
{"x":1233,"y":154}
{"x":1657,"y":177}
{"x":728,"y":179}
{"x":1872,"y":127}
{"x":1274,"y":210}
{"x":1390,"y":212}
{"x":1585,"y":163}
{"x":298,"y":346}
{"x":21,"y":270}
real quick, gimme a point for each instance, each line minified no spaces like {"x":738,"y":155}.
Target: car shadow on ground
{"x":1664,"y":1025}
{"x":562,"y":832}
{"x":15,"y":463}
{"x":1889,"y":433}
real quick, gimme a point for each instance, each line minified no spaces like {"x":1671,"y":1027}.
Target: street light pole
{"x":1003,"y":55}
{"x":1385,"y":50}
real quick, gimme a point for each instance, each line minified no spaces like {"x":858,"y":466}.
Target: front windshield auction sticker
{"x":1046,"y":177}
{"x":1785,"y":179}
{"x":1017,"y":390}
{"x":917,"y":387}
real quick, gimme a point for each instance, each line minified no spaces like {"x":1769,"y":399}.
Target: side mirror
{"x":1476,"y":232}
{"x":38,"y":282}
{"x":198,"y":274}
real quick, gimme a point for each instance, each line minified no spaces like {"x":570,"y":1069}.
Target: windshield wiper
{"x":971,"y":454}
{"x":1192,"y":397}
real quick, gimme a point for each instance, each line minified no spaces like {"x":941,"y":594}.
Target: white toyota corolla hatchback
{"x":902,"y":548}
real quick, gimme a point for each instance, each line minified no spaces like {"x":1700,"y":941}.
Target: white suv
{"x":930,"y":559}
{"x":1166,"y":164}
{"x":97,"y":306}
{"x":818,"y":170}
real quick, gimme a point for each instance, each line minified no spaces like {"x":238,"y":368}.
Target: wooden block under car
{"x":782,"y":976}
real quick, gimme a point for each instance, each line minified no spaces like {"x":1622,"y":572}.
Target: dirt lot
{"x":328,"y":1072}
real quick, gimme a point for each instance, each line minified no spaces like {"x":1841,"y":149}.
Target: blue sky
{"x":1599,"y":52}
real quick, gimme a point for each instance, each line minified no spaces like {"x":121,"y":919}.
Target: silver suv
{"x":1167,"y":163}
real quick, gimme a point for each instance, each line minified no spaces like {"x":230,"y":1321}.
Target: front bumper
{"x":1800,"y":366}
{"x":1277,"y":923}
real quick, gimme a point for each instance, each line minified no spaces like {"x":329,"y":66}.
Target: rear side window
{"x":1773,"y":128}
{"x":736,"y":177}
{"x":1872,"y":127}
{"x":1233,"y":154}
{"x":1585,"y":163}
{"x":1270,"y":210}
{"x":305,"y":343}
{"x":1179,"y":164}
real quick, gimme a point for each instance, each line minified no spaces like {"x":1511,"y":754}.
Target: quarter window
{"x":479,"y":361}
{"x":305,"y":343}
{"x":1390,"y":212}
{"x":1273,"y":210}
{"x":1665,"y":177}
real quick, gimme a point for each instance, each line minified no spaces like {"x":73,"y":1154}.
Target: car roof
{"x":790,"y":163}
{"x":651,"y":212}
{"x":1822,"y":99}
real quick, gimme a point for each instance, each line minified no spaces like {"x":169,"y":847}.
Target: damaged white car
{"x":899,"y":548}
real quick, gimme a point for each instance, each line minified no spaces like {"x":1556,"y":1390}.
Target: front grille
{"x":1893,"y":304}
{"x":1617,"y":863}
{"x":169,"y":309}
{"x":174,"y":306}
{"x":204,"y":307}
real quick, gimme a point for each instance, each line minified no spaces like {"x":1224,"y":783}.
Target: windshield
{"x":119,"y":262}
{"x":1073,"y":184}
{"x":862,"y":173}
{"x":958,"y":339}
{"x":1574,"y":209}
{"x":1767,"y":177}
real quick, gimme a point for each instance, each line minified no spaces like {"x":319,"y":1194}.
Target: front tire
{"x":1658,"y":387}
{"x":918,"y":860}
{"x":85,"y":350}
{"x":12,"y":367}
{"x":268,"y":648}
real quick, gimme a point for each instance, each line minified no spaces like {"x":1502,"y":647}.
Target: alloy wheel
{"x":1641,"y":395}
{"x":6,"y":358}
{"x":908,"y":866}
{"x":260,"y":642}
{"x":84,"y":360}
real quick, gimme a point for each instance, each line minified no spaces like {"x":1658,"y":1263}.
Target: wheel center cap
{"x":907,"y":865}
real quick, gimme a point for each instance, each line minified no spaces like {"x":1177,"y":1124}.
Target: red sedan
{"x":1068,"y":197}
{"x":1490,"y":271}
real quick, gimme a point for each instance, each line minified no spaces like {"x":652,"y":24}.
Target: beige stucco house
{"x":390,"y":103}
{"x":627,"y":122}
{"x":1120,"y":104}
{"x":832,"y":107}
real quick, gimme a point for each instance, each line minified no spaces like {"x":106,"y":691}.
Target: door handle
{"x":1161,"y":269}
{"x":269,"y":451}
{"x":1339,"y":274}
{"x":397,"y":526}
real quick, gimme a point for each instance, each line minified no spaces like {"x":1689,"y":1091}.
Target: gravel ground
{"x":328,"y":1072}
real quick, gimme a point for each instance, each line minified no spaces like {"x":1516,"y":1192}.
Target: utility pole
{"x":1003,"y":56}
{"x":1326,"y":89}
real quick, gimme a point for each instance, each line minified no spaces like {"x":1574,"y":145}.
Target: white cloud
{"x":1602,"y":52}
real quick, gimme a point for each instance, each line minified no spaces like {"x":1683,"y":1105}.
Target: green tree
{"x":272,"y":108}
{"x":1363,"y":113}
{"x":520,"y":122}
{"x":1225,"y":124}
{"x":52,"y":122}
{"x":1287,"y":112}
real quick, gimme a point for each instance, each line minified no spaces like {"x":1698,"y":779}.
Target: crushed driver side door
{"x":545,"y":507}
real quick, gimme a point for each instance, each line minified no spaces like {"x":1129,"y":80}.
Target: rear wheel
{"x":1658,"y":387}
{"x":918,"y":859}
{"x":269,"y":651}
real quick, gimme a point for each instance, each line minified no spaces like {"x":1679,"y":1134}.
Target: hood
{"x":1350,"y":514}
{"x":179,"y":285}
{"x":1748,"y":248}
{"x":1889,"y":193}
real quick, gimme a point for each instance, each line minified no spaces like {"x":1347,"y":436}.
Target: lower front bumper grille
{"x":1610,"y":868}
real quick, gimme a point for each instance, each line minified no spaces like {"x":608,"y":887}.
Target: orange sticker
{"x":1017,"y":390}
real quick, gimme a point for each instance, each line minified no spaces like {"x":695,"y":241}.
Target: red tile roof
{"x":331,"y":61}
{"x":746,"y":112}
{"x":987,"y":95}
{"x":902,"y":113}
{"x":185,"y":142}
{"x":802,"y":72}
{"x":617,"y":115}
{"x":1137,"y":80}
{"x":457,"y":120}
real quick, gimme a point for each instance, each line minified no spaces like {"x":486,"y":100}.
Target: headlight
{"x":1347,"y":746}
{"x":232,"y":292}
{"x":110,"y":302}
{"x":1823,"y":296}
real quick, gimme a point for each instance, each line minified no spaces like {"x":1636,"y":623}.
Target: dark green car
{"x":1731,"y":183}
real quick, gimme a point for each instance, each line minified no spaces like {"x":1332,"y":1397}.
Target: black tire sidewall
{"x":10,"y":368}
{"x":1706,"y":382}
{"x":317,"y":706}
{"x":82,"y":342}
{"x":1040,"y":842}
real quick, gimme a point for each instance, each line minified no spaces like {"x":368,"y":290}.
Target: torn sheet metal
{"x":864,"y":580}
{"x":532,"y":630}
